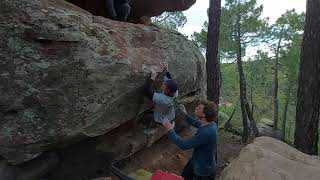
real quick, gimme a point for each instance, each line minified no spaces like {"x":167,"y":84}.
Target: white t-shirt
{"x":164,"y":107}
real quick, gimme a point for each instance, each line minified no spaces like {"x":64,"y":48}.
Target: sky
{"x":197,"y":14}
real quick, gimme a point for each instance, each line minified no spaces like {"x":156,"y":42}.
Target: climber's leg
{"x":149,"y":119}
{"x":110,"y":9}
{"x":151,"y":126}
{"x":125,"y":11}
{"x":122,"y":8}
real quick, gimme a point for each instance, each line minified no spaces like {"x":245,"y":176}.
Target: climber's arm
{"x":148,"y":85}
{"x":148,"y":90}
{"x":167,"y":76}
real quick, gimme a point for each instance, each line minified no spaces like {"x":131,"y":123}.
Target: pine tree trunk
{"x":242,"y":82}
{"x":252,"y":121}
{"x":245,"y":132}
{"x":251,"y":93}
{"x":250,"y":111}
{"x":284,"y":119}
{"x":213,"y":63}
{"x":275,"y":90}
{"x":308,"y":98}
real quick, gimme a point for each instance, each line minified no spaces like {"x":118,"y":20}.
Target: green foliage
{"x":290,"y":61}
{"x":200,"y":38}
{"x":170,"y":20}
{"x":259,"y":88}
{"x":288,"y":30}
{"x":260,"y":81}
{"x":247,"y":14}
{"x":252,"y":27}
{"x":223,"y":118}
{"x":258,"y":70}
{"x":289,"y":27}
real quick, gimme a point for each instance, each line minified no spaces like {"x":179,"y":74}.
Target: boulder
{"x":152,"y":8}
{"x":265,"y":127}
{"x":66,"y":75}
{"x":32,"y":170}
{"x":267,"y":158}
{"x":267,"y":121}
{"x":139,"y":8}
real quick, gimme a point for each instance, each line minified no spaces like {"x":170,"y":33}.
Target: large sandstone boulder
{"x":267,"y":158}
{"x":66,"y":75}
{"x":139,"y":8}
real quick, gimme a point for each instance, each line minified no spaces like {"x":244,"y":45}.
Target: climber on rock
{"x":164,"y":102}
{"x":202,"y":165}
{"x":117,"y":9}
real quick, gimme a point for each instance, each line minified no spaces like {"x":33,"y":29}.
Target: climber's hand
{"x":167,"y":124}
{"x":165,"y":66}
{"x":153,"y":74}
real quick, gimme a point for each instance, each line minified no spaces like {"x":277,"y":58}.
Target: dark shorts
{"x":188,"y":173}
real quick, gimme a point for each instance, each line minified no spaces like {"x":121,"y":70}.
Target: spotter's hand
{"x":168,"y":125}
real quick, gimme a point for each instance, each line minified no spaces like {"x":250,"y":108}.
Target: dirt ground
{"x":166,"y":156}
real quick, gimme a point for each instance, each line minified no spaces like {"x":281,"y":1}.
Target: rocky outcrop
{"x":266,"y":128}
{"x":267,"y":158}
{"x":66,"y":75}
{"x":139,"y":8}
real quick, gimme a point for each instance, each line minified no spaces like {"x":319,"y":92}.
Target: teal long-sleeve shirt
{"x":204,"y":144}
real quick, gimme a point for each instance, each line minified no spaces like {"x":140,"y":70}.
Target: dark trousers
{"x":188,"y":173}
{"x":110,"y":10}
{"x":117,"y":9}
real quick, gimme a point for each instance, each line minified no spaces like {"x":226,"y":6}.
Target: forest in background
{"x":270,"y":56}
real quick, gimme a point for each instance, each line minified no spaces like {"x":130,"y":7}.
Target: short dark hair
{"x":210,"y":109}
{"x":172,"y":85}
